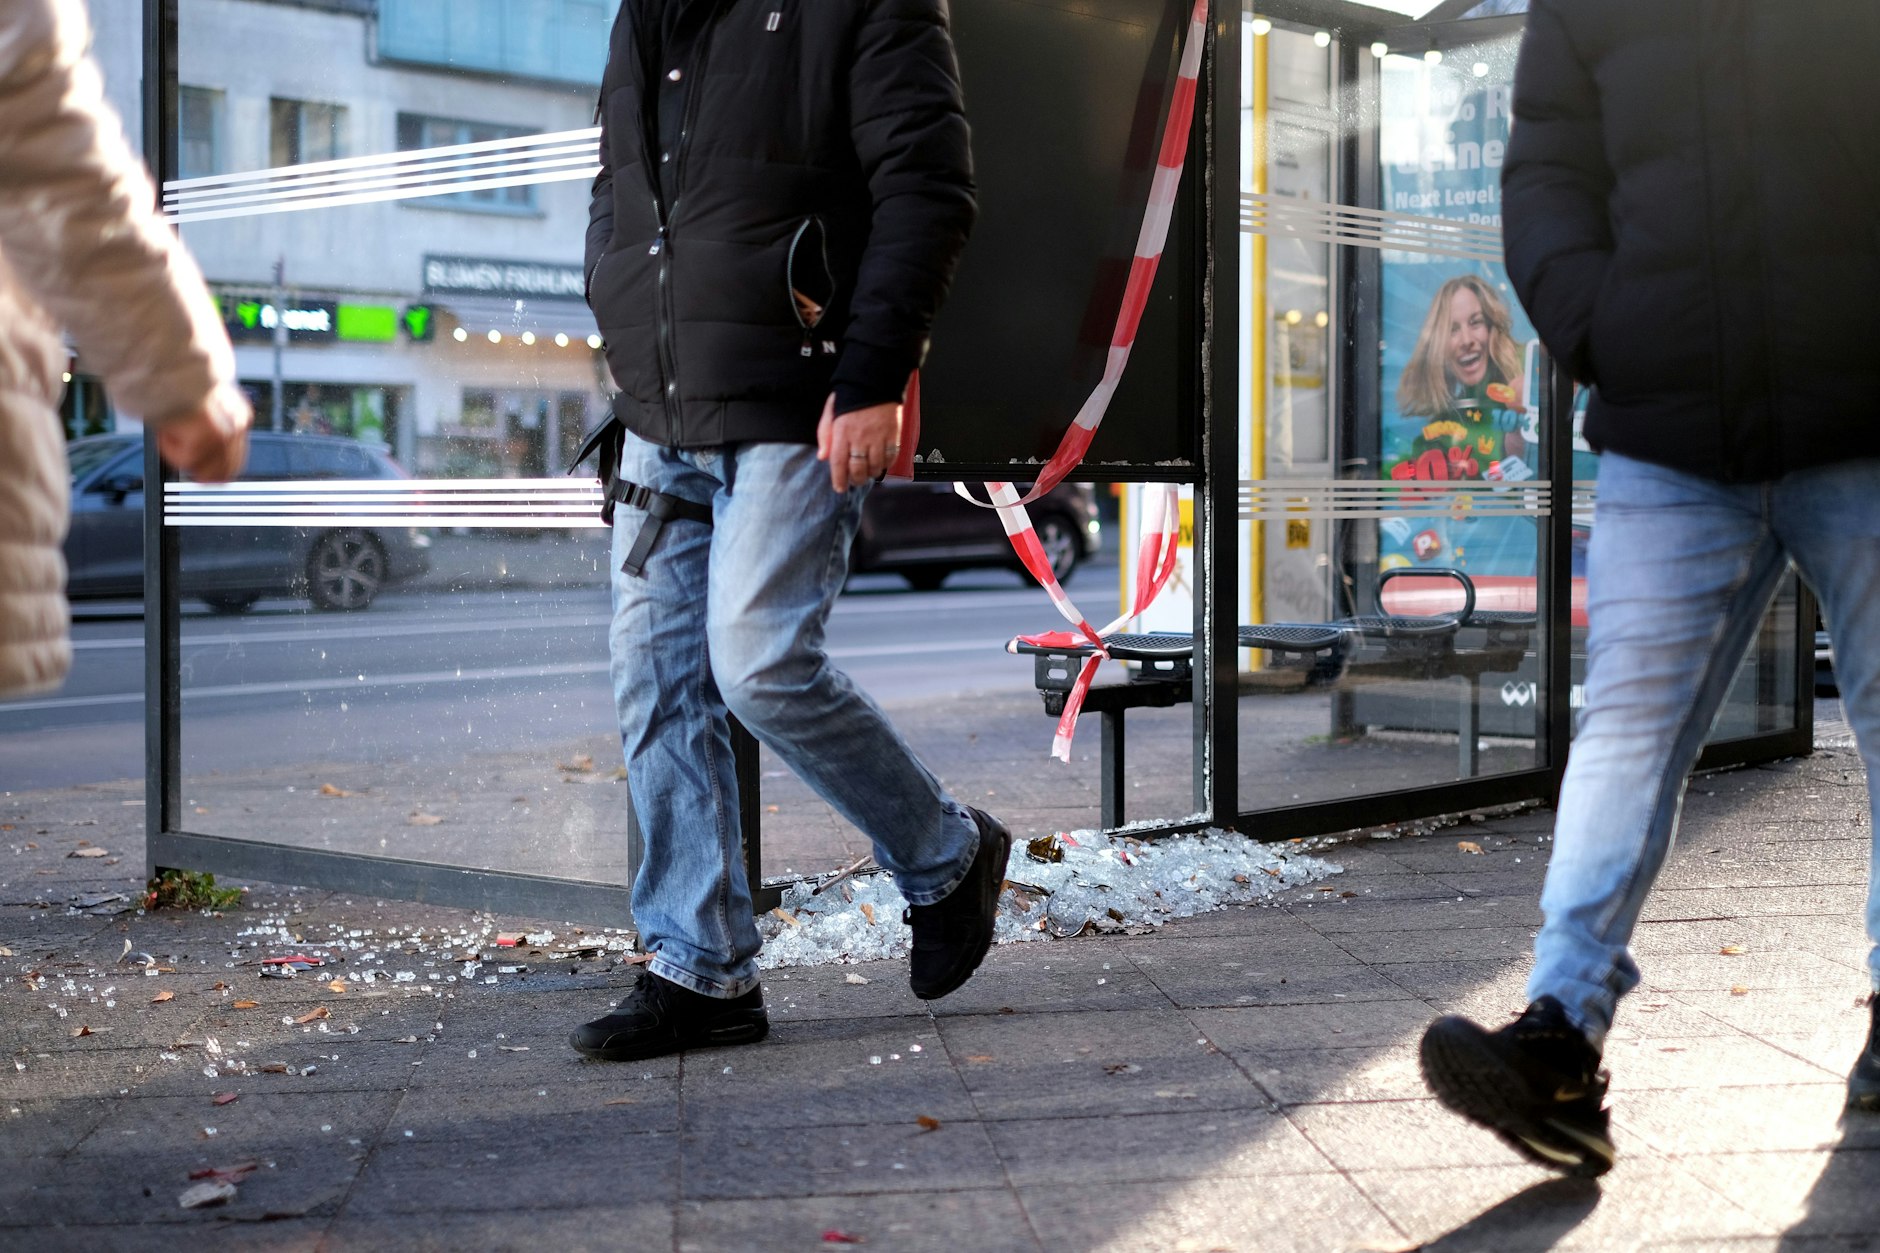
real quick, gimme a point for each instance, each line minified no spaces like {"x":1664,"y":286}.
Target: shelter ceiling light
{"x":1323,"y":38}
{"x":561,"y":339}
{"x":528,"y":337}
{"x":1480,"y":69}
{"x":496,"y":337}
{"x":1262,"y":27}
{"x":1380,"y":50}
{"x":1433,"y":57}
{"x":594,"y":341}
{"x":460,"y":335}
{"x":1321,"y":319}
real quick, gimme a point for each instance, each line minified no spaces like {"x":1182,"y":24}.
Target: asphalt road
{"x":427,"y":673}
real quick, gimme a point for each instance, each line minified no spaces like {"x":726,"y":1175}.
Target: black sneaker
{"x":951,"y":936}
{"x":1536,"y":1083}
{"x":659,"y":1017}
{"x":1863,"y":1086}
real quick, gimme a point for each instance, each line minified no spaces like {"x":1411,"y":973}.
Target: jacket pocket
{"x":809,"y":279}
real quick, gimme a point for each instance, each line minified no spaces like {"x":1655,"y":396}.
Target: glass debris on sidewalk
{"x":1056,"y":887}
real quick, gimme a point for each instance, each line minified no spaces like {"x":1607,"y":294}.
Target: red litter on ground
{"x":298,"y":961}
{"x":832,"y":1236}
{"x":508,"y":940}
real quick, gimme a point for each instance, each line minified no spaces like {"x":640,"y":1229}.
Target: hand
{"x":209,"y":443}
{"x":860,"y":445}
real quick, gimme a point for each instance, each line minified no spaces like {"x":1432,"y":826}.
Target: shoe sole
{"x":1471,"y":1081}
{"x":749,"y":1031}
{"x":965,"y":969}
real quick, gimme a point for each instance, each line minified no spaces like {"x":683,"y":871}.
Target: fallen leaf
{"x":327,"y":789}
{"x":1469,"y":846}
{"x":1268,"y":870}
{"x":88,"y":852}
{"x":868,"y":912}
{"x":584,"y":764}
{"x":201,"y":809}
{"x":5,"y":951}
{"x":978,"y":1058}
{"x":338,"y":985}
{"x":219,"y":985}
{"x":773,"y":809}
{"x":622,"y":1100}
{"x":1739,"y":990}
{"x":81,"y":1032}
{"x":317,"y":1012}
{"x":227,"y":1098}
{"x":1345,"y":896}
{"x":274,"y":1068}
{"x":854,"y":978}
{"x":928,"y":1123}
{"x":423,"y":820}
{"x":214,"y":1192}
{"x":165,"y":995}
{"x":247,"y":1004}
{"x":786,"y":915}
{"x":832,"y":1236}
{"x":1732,"y":950}
{"x":636,"y":959}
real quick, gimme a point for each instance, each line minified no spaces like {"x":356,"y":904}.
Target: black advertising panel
{"x":1067,"y":106}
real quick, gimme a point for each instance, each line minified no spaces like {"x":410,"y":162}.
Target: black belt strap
{"x":661,"y":508}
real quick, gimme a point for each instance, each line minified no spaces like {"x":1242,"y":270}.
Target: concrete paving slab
{"x":591,"y":1229}
{"x":1336,"y":1075}
{"x":728,"y":1162}
{"x":1124,"y":1062}
{"x":257,"y":1124}
{"x":1805,"y":1194}
{"x":473,"y":1174}
{"x":1136,"y":1148}
{"x":1698,"y":1121}
{"x":1195,"y":978}
{"x":1333,"y":1025}
{"x":1444,"y":944}
{"x":142,"y":1188}
{"x":927,"y":1222}
{"x":1312,"y":1213}
{"x":1398,"y":1135}
{"x":48,"y":1128}
{"x":1092,"y":974}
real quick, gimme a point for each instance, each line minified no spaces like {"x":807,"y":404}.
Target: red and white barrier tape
{"x":1156,"y":560}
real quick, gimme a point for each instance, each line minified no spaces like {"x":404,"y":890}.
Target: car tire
{"x":231,"y":602}
{"x":926,"y":578}
{"x":345,"y":570}
{"x":1060,"y":541}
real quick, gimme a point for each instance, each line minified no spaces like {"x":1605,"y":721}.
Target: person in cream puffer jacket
{"x":81,"y":246}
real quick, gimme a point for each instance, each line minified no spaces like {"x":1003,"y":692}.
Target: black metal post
{"x":163,"y":701}
{"x":1554,"y":574}
{"x":1217,"y":492}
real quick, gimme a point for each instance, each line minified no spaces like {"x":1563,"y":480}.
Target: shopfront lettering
{"x":491,"y":276}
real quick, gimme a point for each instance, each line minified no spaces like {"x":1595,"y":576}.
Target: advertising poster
{"x":1460,"y":394}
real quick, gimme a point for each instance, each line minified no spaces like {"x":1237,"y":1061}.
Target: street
{"x":440,"y":674}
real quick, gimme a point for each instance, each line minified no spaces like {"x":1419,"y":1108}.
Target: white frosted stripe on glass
{"x":590,"y":133}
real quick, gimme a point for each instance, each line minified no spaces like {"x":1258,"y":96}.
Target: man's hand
{"x":858,"y":446}
{"x":210,"y":443}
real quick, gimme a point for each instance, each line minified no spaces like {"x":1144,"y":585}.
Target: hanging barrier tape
{"x":1156,"y":559}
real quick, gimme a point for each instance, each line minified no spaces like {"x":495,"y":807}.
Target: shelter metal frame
{"x":1213,"y":325}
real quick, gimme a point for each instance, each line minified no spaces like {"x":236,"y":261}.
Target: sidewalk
{"x":1244,"y":1080}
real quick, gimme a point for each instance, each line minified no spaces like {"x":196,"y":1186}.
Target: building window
{"x":199,"y":132}
{"x":300,"y":131}
{"x":417,"y":131}
{"x":562,"y":41}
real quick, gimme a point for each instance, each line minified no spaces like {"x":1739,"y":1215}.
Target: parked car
{"x":923,"y":532}
{"x":230,"y":568}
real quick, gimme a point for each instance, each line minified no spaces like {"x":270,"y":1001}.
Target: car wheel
{"x":926,"y":578}
{"x":345,"y":570}
{"x":1059,"y":540}
{"x":231,"y":602}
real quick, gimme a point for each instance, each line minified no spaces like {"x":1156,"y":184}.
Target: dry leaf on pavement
{"x":928,"y":1122}
{"x":1733,"y":950}
{"x":227,"y":1098}
{"x":786,"y":915}
{"x":1469,"y":846}
{"x":338,"y":985}
{"x":317,"y":1012}
{"x":422,"y":819}
{"x":327,"y":789}
{"x":247,"y":1004}
{"x":165,"y":995}
{"x":1739,"y":990}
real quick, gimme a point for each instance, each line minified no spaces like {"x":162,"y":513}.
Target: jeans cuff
{"x":698,"y":983}
{"x":956,"y":874}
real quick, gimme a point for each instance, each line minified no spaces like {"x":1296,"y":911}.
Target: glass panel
{"x":395,"y":628}
{"x":1393,"y":504}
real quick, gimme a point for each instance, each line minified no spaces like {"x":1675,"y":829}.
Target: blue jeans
{"x":1680,"y":572}
{"x":730,"y":618}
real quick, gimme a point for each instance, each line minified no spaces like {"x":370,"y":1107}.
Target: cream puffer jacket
{"x":81,"y":246}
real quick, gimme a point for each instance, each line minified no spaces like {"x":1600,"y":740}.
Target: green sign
{"x":419,"y":322}
{"x":373,"y":324}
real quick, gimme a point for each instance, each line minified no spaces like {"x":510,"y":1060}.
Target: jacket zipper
{"x":662,"y":243}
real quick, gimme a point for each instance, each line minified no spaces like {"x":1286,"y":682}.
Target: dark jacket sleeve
{"x":600,"y":230}
{"x":908,"y":125}
{"x":1555,"y":184}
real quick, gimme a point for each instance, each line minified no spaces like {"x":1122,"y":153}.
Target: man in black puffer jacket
{"x":1692,"y":217}
{"x":786,"y":186}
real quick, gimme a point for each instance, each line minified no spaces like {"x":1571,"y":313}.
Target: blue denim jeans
{"x":1679,"y":574}
{"x":730,"y":618}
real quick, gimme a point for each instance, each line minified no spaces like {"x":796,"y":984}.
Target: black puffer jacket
{"x":1692,"y":216}
{"x":825,"y":150}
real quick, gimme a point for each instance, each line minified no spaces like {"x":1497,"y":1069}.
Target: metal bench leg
{"x":1110,"y":757}
{"x":1469,"y":728}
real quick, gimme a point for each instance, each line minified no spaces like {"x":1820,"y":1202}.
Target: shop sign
{"x":307,"y":322}
{"x":419,"y":322}
{"x":494,"y":276}
{"x":368,"y":324}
